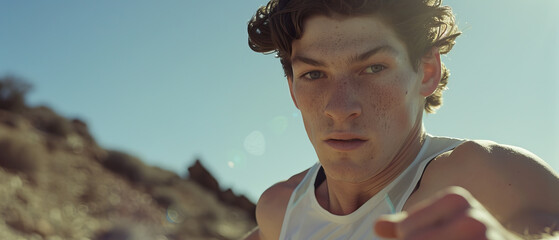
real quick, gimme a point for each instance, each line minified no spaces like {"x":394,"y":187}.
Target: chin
{"x":347,"y":170}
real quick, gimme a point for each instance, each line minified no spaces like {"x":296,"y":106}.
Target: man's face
{"x":357,"y":92}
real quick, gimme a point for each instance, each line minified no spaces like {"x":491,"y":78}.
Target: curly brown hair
{"x":420,"y":24}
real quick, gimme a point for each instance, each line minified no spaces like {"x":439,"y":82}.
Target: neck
{"x":342,"y":198}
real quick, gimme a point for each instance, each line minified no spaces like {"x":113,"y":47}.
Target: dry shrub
{"x":54,"y":144}
{"x":46,"y":120}
{"x":155,"y":176}
{"x":58,"y":126}
{"x":19,"y":155}
{"x":124,"y":229}
{"x":166,"y":196}
{"x":80,"y":127}
{"x":125,"y":165}
{"x":12,"y":93}
{"x":138,"y":172}
{"x":115,"y":233}
{"x":12,"y":120}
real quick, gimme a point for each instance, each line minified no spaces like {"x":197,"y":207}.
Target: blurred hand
{"x":452,"y":214}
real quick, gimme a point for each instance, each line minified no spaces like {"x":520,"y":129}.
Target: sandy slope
{"x":57,"y":183}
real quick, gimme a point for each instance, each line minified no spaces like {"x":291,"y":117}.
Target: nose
{"x":343,"y":103}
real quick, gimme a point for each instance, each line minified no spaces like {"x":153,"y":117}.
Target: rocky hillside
{"x":57,"y":183}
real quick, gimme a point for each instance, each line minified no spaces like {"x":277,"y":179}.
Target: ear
{"x":431,"y":65}
{"x":290,"y":82}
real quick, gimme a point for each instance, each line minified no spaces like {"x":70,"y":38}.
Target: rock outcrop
{"x":199,"y":174}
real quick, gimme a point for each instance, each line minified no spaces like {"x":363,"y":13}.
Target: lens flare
{"x":236,"y":158}
{"x":175,"y":214}
{"x":255,"y":143}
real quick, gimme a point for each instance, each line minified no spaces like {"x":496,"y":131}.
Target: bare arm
{"x":531,"y":189}
{"x":270,"y":209}
{"x":511,"y":191}
{"x":452,"y":212}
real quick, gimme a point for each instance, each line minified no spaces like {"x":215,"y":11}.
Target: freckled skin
{"x":389,"y":102}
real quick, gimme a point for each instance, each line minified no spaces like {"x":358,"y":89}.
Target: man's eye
{"x":313,"y":75}
{"x":375,"y":68}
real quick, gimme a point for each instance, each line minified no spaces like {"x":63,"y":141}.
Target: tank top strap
{"x":433,"y":147}
{"x":307,"y":184}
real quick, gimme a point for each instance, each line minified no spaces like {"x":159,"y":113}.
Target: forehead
{"x":339,"y":36}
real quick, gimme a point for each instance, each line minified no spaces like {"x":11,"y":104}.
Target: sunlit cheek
{"x":387,"y":106}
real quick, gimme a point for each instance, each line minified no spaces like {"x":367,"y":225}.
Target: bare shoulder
{"x":490,"y":157}
{"x":507,"y":166}
{"x":509,"y":181}
{"x":271,"y":206}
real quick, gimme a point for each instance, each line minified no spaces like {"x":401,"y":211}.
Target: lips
{"x":345,"y":141}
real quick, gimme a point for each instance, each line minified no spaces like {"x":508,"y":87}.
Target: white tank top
{"x":306,"y":219}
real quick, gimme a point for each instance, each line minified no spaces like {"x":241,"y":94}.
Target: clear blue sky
{"x":171,"y":81}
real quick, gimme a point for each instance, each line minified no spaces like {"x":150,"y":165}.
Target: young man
{"x":362,"y":73}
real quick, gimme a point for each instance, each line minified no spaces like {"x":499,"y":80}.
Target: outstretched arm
{"x":453,"y":214}
{"x":506,"y":193}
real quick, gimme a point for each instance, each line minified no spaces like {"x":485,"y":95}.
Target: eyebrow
{"x":358,"y":58}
